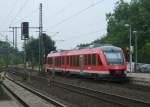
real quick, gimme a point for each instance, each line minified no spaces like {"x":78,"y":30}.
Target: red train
{"x":103,"y":61}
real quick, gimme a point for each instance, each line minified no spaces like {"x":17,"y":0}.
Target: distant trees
{"x":137,"y":14}
{"x":32,"y":48}
{"x":9,"y":55}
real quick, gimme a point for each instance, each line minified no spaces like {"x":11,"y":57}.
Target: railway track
{"x":18,"y":99}
{"x":99,"y":95}
{"x":52,"y":101}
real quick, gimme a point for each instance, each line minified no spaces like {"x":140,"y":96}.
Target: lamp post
{"x":130,"y":47}
{"x":135,"y":41}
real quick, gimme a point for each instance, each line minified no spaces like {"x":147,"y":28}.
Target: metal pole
{"x":15,"y":37}
{"x":130,"y":48}
{"x":7,"y":52}
{"x":40,"y":38}
{"x":136,"y":52}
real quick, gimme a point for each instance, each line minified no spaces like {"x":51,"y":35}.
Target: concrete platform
{"x":9,"y":104}
{"x":140,"y":78}
{"x":31,"y":99}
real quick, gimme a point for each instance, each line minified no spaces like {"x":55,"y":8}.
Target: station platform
{"x":139,"y":78}
{"x":8,"y":104}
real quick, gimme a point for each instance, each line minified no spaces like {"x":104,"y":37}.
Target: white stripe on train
{"x":86,"y":71}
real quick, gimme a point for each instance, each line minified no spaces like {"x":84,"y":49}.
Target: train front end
{"x":114,"y":61}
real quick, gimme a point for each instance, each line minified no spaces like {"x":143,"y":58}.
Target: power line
{"x":4,"y":38}
{"x":34,"y":11}
{"x":63,"y":9}
{"x":20,"y":10}
{"x":9,"y":13}
{"x":76,"y":14}
{"x":90,"y":33}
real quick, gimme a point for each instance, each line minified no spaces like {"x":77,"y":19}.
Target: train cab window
{"x":89,"y":59}
{"x":94,"y":59}
{"x":99,"y":60}
{"x":85,"y":59}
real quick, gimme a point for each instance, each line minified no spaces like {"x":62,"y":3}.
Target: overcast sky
{"x":77,"y":21}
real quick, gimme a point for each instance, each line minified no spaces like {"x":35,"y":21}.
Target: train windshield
{"x":114,"y":57}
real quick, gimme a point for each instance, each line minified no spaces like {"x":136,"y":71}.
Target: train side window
{"x":70,"y":60}
{"x":73,"y":60}
{"x":85,"y":59}
{"x":89,"y":59}
{"x":62,"y":60}
{"x":78,"y":60}
{"x":99,"y":60}
{"x":67,"y":60}
{"x":58,"y":61}
{"x":55,"y":61}
{"x":93,"y":59}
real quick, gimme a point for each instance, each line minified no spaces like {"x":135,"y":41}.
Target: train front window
{"x":114,"y":57}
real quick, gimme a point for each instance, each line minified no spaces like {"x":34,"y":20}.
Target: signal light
{"x":25,"y":30}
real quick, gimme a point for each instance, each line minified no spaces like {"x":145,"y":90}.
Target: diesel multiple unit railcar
{"x":103,"y":61}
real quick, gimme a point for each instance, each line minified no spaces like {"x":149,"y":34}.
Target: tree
{"x":32,"y":48}
{"x":135,"y":13}
{"x":9,"y":55}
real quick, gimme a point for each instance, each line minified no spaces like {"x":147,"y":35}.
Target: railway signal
{"x":24,"y":30}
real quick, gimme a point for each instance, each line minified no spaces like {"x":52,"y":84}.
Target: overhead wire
{"x":5,"y":38}
{"x":34,"y":11}
{"x":19,"y":11}
{"x":89,"y":33}
{"x":63,"y":9}
{"x":76,"y":14}
{"x":9,"y":13}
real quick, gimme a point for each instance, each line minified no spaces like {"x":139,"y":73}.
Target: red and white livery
{"x":101,"y":61}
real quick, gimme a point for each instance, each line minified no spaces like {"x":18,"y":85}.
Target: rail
{"x":54,"y":102}
{"x":15,"y":96}
{"x":108,"y":97}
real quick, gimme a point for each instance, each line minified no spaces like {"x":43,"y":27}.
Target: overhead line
{"x":34,"y":11}
{"x":20,"y":10}
{"x":4,"y":38}
{"x":76,"y":14}
{"x":63,"y":9}
{"x":9,"y":13}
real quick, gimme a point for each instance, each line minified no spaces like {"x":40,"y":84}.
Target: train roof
{"x":85,"y":51}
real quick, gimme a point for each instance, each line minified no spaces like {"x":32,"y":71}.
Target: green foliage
{"x":136,"y":14}
{"x":32,"y":48}
{"x":9,"y":55}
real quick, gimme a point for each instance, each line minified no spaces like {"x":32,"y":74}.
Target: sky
{"x":68,"y":22}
